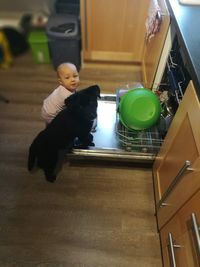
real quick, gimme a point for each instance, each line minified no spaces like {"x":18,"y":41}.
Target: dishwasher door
{"x":114,"y":142}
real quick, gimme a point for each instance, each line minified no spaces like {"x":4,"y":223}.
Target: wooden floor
{"x":95,"y":214}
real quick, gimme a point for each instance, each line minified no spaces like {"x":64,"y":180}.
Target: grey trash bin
{"x":68,"y":7}
{"x":64,"y":39}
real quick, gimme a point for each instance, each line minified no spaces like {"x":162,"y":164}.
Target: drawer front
{"x":173,"y":250}
{"x":179,"y":151}
{"x":180,"y":237}
{"x":188,"y":186}
{"x":190,"y":224}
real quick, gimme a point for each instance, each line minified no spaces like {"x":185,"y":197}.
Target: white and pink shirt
{"x":54,"y":103}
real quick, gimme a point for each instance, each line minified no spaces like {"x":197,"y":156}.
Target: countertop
{"x":186,"y":19}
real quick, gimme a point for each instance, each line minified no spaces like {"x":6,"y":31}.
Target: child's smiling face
{"x":68,"y":76}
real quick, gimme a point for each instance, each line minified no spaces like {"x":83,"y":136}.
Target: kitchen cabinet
{"x":181,"y":236}
{"x":113,"y":30}
{"x":152,"y":60}
{"x":176,"y":168}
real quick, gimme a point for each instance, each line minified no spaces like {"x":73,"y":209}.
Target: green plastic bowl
{"x":139,"y":109}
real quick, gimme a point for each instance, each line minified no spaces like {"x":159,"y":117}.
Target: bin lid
{"x":38,"y":36}
{"x":62,"y":26}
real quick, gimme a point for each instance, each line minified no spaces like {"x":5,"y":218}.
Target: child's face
{"x":68,"y":76}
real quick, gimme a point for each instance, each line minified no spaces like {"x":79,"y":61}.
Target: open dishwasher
{"x":114,"y":142}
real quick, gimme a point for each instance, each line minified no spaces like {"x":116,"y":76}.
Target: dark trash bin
{"x":68,"y":7}
{"x":64,"y":39}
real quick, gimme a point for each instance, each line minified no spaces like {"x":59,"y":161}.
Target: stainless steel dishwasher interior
{"x":115,"y":142}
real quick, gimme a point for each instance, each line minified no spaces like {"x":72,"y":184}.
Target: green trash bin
{"x":38,"y":42}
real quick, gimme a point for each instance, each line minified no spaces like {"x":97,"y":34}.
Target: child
{"x":68,"y":78}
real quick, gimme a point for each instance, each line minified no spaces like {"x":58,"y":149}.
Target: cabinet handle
{"x":196,"y":231}
{"x":185,"y":167}
{"x":171,"y":247}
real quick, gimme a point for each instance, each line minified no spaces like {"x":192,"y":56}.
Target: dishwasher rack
{"x":176,"y":75}
{"x":146,"y":141}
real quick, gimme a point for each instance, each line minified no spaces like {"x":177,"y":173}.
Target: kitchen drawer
{"x":181,"y":193}
{"x":183,"y":232}
{"x":176,"y":168}
{"x":172,"y":233}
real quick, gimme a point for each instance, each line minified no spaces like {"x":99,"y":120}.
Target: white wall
{"x":11,"y":11}
{"x":7,"y":6}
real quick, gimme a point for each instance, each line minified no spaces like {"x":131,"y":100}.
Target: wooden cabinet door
{"x":175,"y":246}
{"x":153,"y":47}
{"x":183,"y":236}
{"x":113,"y":30}
{"x":189,"y":217}
{"x":182,"y":143}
